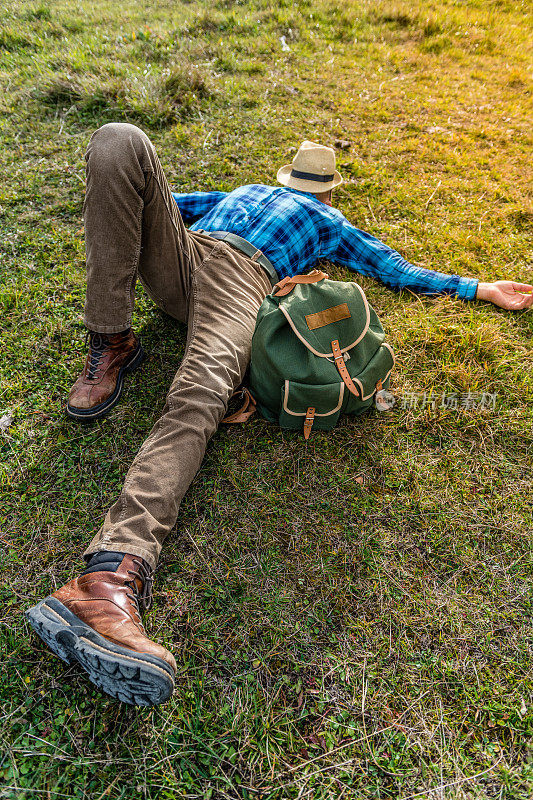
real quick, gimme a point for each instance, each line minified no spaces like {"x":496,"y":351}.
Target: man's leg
{"x":132,"y":227}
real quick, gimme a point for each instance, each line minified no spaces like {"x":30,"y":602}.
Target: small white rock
{"x":6,"y":421}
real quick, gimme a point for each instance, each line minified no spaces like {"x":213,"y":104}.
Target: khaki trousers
{"x":134,"y":229}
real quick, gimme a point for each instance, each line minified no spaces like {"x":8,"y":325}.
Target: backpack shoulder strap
{"x":248,"y":408}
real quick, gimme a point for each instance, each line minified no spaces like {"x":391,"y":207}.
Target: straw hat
{"x":312,"y":169}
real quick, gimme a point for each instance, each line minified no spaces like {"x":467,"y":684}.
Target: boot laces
{"x":143,"y":597}
{"x":98,"y":343}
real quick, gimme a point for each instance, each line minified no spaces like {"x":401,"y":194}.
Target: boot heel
{"x":47,"y":624}
{"x":137,"y":360}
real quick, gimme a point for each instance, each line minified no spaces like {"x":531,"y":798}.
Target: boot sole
{"x":138,"y":679}
{"x":103,"y":408}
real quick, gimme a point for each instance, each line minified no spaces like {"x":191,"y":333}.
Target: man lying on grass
{"x":214,"y":276}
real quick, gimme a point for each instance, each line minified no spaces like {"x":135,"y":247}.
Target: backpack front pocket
{"x":296,"y":398}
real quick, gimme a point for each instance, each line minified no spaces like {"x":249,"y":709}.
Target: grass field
{"x":352,"y":617}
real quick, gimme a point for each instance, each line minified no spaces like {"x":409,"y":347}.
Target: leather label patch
{"x":326,"y":317}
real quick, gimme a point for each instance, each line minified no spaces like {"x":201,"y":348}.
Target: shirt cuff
{"x":467,"y":288}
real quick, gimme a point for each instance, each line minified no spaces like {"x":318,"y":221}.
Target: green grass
{"x":351,"y":616}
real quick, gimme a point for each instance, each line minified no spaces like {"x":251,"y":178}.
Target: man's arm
{"x":362,"y":252}
{"x":195,"y":205}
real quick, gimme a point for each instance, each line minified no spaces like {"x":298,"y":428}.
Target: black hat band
{"x":308,"y":176}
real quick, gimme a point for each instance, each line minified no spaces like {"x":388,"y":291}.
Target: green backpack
{"x":318,"y":350}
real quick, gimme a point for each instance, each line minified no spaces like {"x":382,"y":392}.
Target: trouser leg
{"x":226,"y":292}
{"x":132,"y":227}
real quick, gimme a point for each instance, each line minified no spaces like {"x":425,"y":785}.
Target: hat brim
{"x":284,"y":177}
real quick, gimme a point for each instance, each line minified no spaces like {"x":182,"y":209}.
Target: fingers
{"x":522,"y":287}
{"x":524,"y":301}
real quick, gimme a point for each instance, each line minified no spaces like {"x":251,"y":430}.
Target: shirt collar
{"x":312,"y":196}
{"x":305,"y":194}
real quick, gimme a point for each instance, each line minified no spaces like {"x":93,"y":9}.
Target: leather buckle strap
{"x":341,"y":366}
{"x":308,"y":422}
{"x":248,"y":407}
{"x":287,"y":284}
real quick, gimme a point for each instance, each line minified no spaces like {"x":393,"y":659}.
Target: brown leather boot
{"x":95,"y":620}
{"x":98,"y":388}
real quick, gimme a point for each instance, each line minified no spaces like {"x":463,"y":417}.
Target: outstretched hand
{"x":506,"y":294}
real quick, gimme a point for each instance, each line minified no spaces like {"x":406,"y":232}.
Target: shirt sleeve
{"x":362,"y":252}
{"x":195,"y":205}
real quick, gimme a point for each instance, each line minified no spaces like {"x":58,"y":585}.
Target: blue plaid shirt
{"x":294,"y":229}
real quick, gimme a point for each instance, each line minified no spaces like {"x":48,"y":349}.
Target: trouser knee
{"x":115,"y":142}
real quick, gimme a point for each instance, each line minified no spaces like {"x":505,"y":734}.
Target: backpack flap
{"x":325,"y":399}
{"x":325,"y":311}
